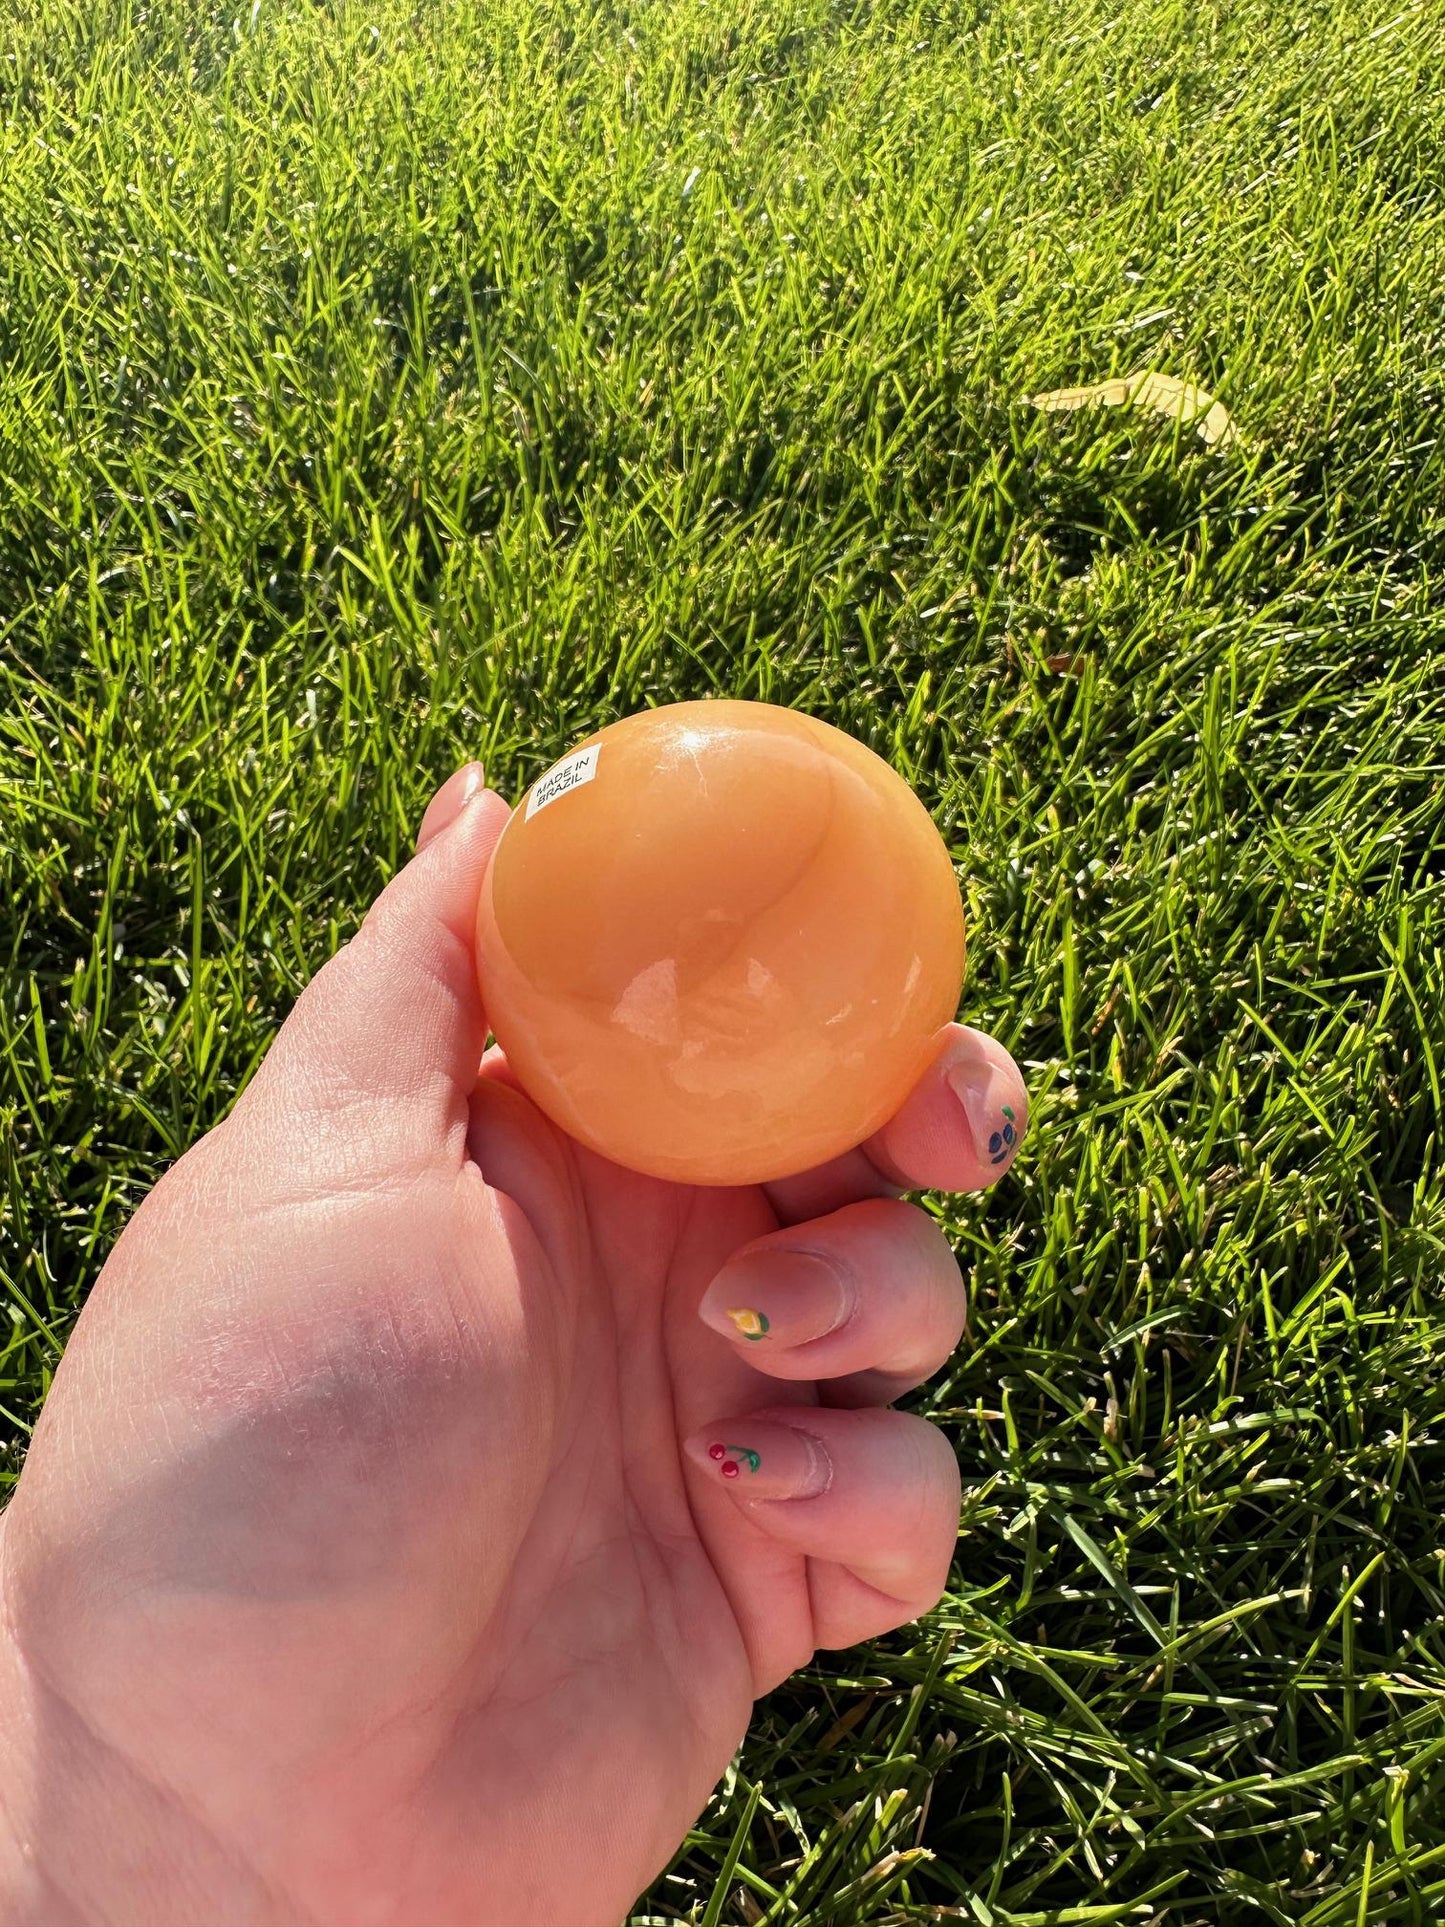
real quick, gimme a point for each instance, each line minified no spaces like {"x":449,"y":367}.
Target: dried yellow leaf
{"x":1112,"y":393}
{"x":1185,"y":401}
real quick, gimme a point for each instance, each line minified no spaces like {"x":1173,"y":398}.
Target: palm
{"x":447,"y":1523}
{"x":628,"y":1645}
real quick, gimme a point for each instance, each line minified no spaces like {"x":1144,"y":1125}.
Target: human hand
{"x":373,"y":1562}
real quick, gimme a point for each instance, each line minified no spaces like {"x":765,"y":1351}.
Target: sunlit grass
{"x":384,"y":385}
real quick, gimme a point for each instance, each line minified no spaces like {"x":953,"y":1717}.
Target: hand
{"x":374,"y":1562}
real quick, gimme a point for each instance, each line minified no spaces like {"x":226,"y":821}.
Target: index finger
{"x":959,"y":1129}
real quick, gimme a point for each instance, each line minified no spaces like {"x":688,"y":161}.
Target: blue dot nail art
{"x":1000,"y":1142}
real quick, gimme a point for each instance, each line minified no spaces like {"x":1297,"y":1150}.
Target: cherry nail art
{"x":730,"y":1465}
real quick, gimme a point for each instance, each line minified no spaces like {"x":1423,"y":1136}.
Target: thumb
{"x":394,"y":1022}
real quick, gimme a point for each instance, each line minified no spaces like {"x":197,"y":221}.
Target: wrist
{"x":84,"y":1838}
{"x":27,"y":1898}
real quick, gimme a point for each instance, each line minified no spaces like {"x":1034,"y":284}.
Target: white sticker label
{"x":570,"y":774}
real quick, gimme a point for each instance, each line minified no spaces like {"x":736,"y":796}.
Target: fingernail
{"x":760,"y":1459}
{"x":990,"y":1101}
{"x":450,"y":800}
{"x":778,"y":1297}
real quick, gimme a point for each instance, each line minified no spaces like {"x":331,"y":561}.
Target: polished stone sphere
{"x":717,"y":942}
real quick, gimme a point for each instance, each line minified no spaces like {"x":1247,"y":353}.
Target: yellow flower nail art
{"x":752,"y":1324}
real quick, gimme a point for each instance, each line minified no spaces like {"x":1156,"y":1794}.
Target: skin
{"x":370,"y":1563}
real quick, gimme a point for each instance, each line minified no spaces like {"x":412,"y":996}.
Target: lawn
{"x":383,"y":385}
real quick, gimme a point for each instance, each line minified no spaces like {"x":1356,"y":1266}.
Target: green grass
{"x":382,"y":385}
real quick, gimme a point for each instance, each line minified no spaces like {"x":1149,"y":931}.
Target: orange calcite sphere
{"x":717,"y":942}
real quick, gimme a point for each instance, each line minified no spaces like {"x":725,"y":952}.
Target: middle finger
{"x":869,"y":1295}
